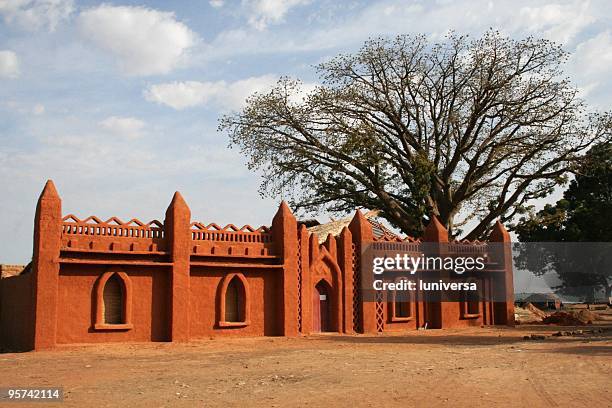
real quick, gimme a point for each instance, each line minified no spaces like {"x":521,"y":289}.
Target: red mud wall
{"x":17,"y":313}
{"x":450,"y":314}
{"x":76,"y":305}
{"x":172,"y":273}
{"x":265,"y":308}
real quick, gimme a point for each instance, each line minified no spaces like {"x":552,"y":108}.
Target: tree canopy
{"x":469,"y":130}
{"x":582,"y":220}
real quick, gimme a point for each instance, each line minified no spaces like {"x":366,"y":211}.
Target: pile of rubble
{"x":593,"y":332}
{"x":578,"y":332}
{"x":528,"y":314}
{"x":571,"y":318}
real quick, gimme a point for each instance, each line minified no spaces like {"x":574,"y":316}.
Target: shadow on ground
{"x":506,"y":336}
{"x":590,"y":350}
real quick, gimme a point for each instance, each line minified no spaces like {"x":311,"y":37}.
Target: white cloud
{"x":181,"y":95}
{"x":216,"y":3}
{"x":38,"y":109}
{"x":266,"y":12}
{"x":557,"y":22}
{"x":589,"y":67}
{"x":145,"y":41}
{"x":25,"y":108}
{"x":9,"y":64}
{"x":593,"y":57}
{"x":348,"y":27}
{"x":36,"y":14}
{"x":127,"y":127}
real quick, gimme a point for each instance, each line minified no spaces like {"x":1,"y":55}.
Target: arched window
{"x":113,"y":301}
{"x":234,"y":301}
{"x":113,"y":294}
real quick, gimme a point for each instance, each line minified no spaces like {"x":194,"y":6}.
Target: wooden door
{"x":321,"y":308}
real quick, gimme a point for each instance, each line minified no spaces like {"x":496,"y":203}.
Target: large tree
{"x":572,"y":240}
{"x":470,"y":130}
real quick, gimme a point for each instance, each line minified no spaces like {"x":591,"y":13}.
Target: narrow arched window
{"x":113,"y":298}
{"x":234,"y":301}
{"x":113,"y":294}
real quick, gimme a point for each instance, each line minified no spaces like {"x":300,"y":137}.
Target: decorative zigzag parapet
{"x":395,"y":238}
{"x":467,"y":247}
{"x":455,"y":243}
{"x":113,"y":227}
{"x":230,"y":233}
{"x":454,"y":248}
{"x":457,"y":247}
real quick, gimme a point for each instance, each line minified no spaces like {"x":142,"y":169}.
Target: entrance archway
{"x":321,"y":308}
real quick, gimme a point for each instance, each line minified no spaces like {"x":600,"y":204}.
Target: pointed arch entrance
{"x":322,"y":308}
{"x":324,"y":292}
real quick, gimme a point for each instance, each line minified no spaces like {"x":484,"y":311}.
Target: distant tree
{"x":584,"y":215}
{"x":471,"y":130}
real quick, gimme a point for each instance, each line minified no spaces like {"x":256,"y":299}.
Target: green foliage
{"x":584,"y":215}
{"x":585,"y":212}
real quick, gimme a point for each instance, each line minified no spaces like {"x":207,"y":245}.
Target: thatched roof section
{"x":7,"y":271}
{"x":335,"y":227}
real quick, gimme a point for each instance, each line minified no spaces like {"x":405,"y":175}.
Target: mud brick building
{"x":113,"y":281}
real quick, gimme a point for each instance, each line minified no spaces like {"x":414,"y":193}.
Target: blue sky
{"x":118,"y":102}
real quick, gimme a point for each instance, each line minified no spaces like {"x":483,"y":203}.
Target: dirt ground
{"x":480,"y":367}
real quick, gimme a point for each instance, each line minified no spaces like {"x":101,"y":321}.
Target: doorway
{"x":321,"y":305}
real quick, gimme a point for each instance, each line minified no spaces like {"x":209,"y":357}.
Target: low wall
{"x":17,"y":313}
{"x":77,"y":303}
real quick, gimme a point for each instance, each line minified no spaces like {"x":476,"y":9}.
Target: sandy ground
{"x":480,"y":367}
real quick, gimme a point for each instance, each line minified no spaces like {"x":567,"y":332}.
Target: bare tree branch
{"x":465,"y":129}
